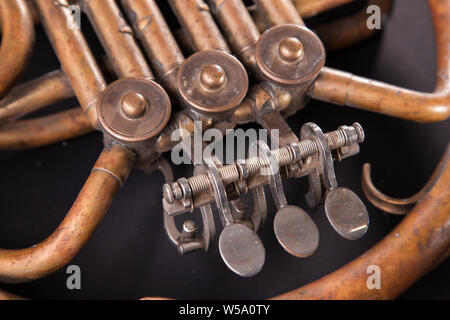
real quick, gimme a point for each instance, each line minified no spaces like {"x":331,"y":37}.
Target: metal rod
{"x":283,"y":156}
{"x":117,"y":38}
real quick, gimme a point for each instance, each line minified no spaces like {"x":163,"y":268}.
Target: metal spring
{"x":284,"y":156}
{"x":307,"y":148}
{"x":336,"y":139}
{"x":199,"y":183}
{"x":229,"y":173}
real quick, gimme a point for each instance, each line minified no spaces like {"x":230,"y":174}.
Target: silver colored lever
{"x":240,"y":247}
{"x":345,"y":211}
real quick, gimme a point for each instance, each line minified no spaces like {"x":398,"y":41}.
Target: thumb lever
{"x":295,"y":230}
{"x":345,"y":211}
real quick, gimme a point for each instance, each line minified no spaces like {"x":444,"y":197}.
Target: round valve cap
{"x":346,"y":213}
{"x":134,"y":109}
{"x":241,"y":250}
{"x":290,"y":54}
{"x":212,"y":82}
{"x":296,"y":231}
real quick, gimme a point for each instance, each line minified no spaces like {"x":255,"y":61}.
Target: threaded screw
{"x":342,"y":137}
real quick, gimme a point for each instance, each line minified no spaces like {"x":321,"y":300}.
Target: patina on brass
{"x":286,"y":65}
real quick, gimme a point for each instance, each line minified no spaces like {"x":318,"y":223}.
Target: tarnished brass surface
{"x":134,"y":114}
{"x":107,"y":176}
{"x":17,"y":23}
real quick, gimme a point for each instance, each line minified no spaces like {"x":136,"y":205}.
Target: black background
{"x":129,"y":256}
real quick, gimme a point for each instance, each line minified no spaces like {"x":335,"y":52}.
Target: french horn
{"x":230,"y":63}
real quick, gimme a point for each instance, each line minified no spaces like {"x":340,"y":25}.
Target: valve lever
{"x":345,"y":211}
{"x":295,"y":230}
{"x":240,"y":247}
{"x":241,"y":250}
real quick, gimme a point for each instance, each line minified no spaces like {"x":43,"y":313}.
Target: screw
{"x":133,"y":105}
{"x":290,"y":154}
{"x":291,"y":50}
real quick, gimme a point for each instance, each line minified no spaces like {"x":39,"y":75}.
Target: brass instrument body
{"x":274,"y":75}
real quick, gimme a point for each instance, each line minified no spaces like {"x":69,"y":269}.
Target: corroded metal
{"x":16,"y":23}
{"x":286,"y":67}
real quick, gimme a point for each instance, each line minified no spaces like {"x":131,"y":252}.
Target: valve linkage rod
{"x":239,"y":170}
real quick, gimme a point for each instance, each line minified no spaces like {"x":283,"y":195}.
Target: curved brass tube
{"x":393,"y":205}
{"x":346,"y":89}
{"x":34,"y":95}
{"x":33,"y":133}
{"x":94,"y":199}
{"x":350,"y":30}
{"x":17,"y":23}
{"x":407,"y":253}
{"x":117,"y":39}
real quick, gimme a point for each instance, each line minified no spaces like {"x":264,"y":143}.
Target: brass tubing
{"x":343,"y":88}
{"x":94,"y":199}
{"x":16,"y":42}
{"x":33,"y":133}
{"x":5,"y":296}
{"x":310,"y":8}
{"x":75,"y":56}
{"x":278,"y":12}
{"x":347,"y":31}
{"x":239,"y":28}
{"x":406,"y":254}
{"x":158,"y":42}
{"x":117,"y":39}
{"x":34,"y":95}
{"x":195,"y":18}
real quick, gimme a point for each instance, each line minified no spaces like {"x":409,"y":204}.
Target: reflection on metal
{"x":274,"y":76}
{"x":296,"y":231}
{"x":241,"y":250}
{"x":346,"y":213}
